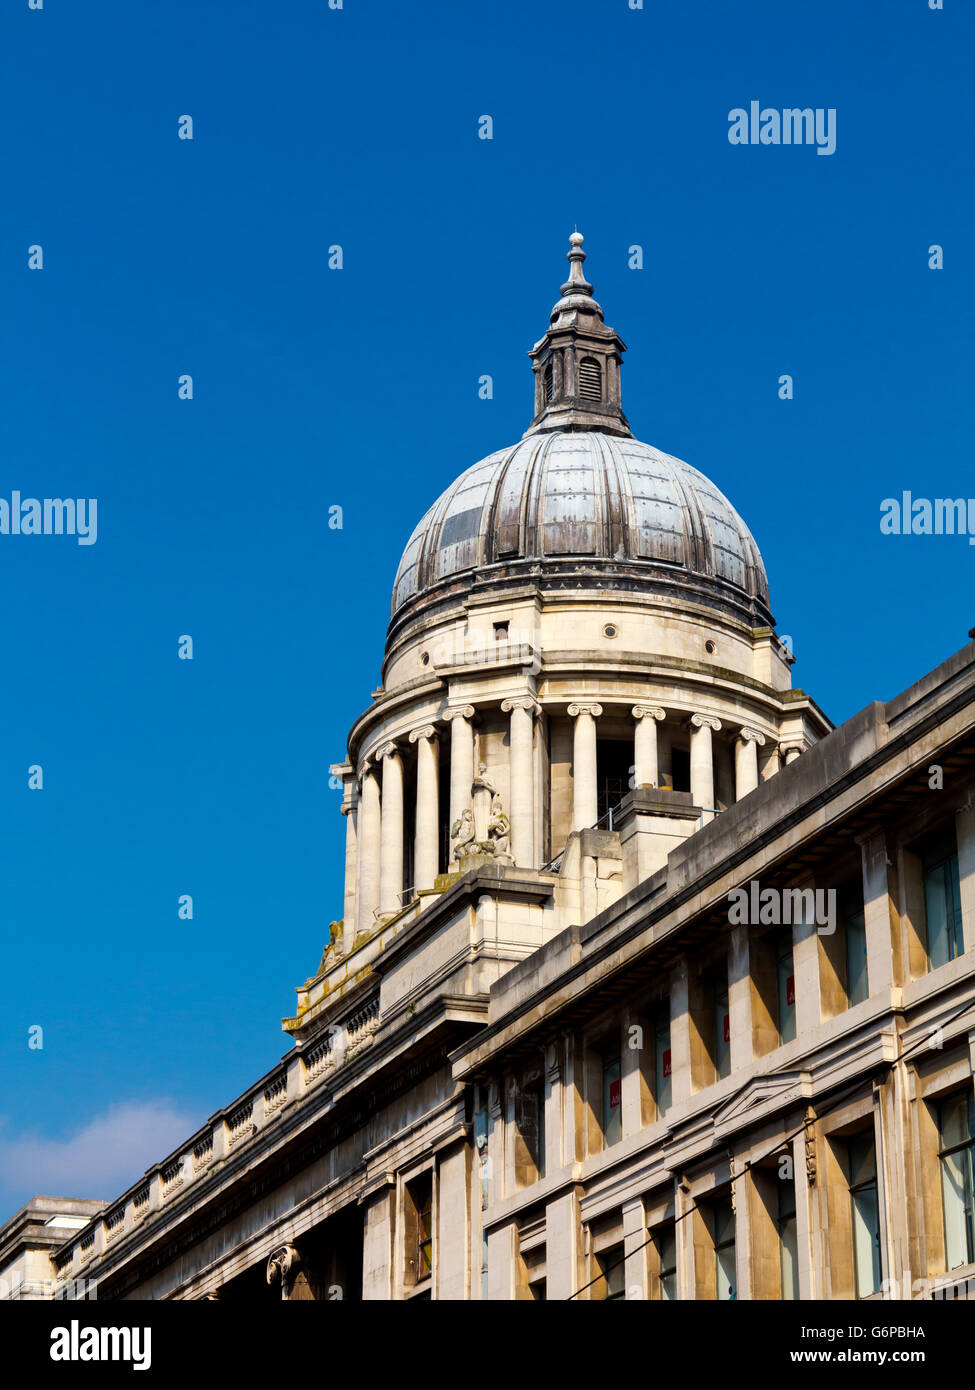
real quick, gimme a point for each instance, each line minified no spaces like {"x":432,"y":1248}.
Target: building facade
{"x":649,"y":983}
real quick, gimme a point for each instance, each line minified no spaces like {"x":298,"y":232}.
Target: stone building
{"x":648,"y":982}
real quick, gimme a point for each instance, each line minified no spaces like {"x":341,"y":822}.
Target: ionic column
{"x":747,"y":745}
{"x":426,"y":855}
{"x":791,"y":751}
{"x":461,"y":759}
{"x":702,"y":761}
{"x":367,"y":887}
{"x":350,"y":812}
{"x":521,"y":759}
{"x":585,"y":803}
{"x":645,"y":769}
{"x":391,"y":838}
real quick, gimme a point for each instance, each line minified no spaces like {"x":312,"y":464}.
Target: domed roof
{"x":562,"y":494}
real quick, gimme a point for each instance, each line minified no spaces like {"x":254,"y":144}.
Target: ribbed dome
{"x":557,"y":495}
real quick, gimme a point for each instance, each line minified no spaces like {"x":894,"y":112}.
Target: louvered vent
{"x":590,"y":380}
{"x":549,"y":383}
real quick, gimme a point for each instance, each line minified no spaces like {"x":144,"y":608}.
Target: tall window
{"x":532,"y":1124}
{"x":865,"y":1213}
{"x":419,"y":1229}
{"x":722,"y":1029}
{"x":663,"y":1087}
{"x":786,"y":984}
{"x":612,"y":1097}
{"x":590,"y":380}
{"x":665,"y":1244}
{"x":956,"y":1128}
{"x":724,"y":1250}
{"x":611,"y":1284}
{"x":785,"y":1223}
{"x":942,"y":901}
{"x":857,"y":986}
{"x":548,"y":380}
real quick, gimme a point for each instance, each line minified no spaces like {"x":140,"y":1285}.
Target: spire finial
{"x":577,"y":282}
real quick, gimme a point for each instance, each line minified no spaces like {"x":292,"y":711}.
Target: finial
{"x":577,"y":282}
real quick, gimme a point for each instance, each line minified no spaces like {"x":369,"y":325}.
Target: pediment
{"x":763,"y":1092}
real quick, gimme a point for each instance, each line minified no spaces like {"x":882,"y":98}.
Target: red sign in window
{"x":727,"y":1029}
{"x":790,"y":990}
{"x":666,"y":1067}
{"x":614,"y":1094}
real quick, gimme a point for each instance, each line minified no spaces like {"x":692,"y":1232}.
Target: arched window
{"x":590,"y":380}
{"x":549,"y":382}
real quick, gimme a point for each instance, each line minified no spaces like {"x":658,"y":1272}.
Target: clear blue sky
{"x":359,"y":388}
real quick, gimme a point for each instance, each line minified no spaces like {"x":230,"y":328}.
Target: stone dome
{"x":586,"y":495}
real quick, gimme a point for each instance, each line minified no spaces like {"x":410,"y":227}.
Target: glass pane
{"x":787,"y":994}
{"x":662,"y":1058}
{"x":866,"y":1240}
{"x":856,"y":959}
{"x":953,"y":1185}
{"x":725,"y":1262}
{"x":956,"y":944}
{"x":789,"y":1258}
{"x":612,"y":1108}
{"x":936,"y":916}
{"x":722,"y":1035}
{"x":863,"y":1160}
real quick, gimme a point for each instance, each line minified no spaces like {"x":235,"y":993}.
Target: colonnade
{"x":376,"y":820}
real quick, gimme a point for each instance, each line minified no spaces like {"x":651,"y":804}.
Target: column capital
{"x":527,"y":702}
{"x":795,"y":746}
{"x":594,"y":710}
{"x":428,"y":731}
{"x":348,"y":807}
{"x":386,"y":750}
{"x":705,"y":721}
{"x":459,"y":712}
{"x":649,"y":712}
{"x":749,"y":735}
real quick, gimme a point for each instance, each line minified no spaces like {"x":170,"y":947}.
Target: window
{"x":785,"y":1223}
{"x":865,"y":1212}
{"x":548,"y":380}
{"x":612,"y":1115}
{"x":665,"y":1245}
{"x":855,"y":932}
{"x":531,"y":1124}
{"x":481,"y":1140}
{"x":419,"y":1229}
{"x":611,"y":1283}
{"x":590,"y":380}
{"x":942,"y":900}
{"x":722,"y":1030}
{"x":956,"y":1128}
{"x":723,"y":1222}
{"x":662,"y":1089}
{"x":786,"y":985}
{"x":536,"y":1291}
{"x":501,"y":632}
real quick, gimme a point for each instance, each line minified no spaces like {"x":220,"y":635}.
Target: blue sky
{"x":358,"y":387}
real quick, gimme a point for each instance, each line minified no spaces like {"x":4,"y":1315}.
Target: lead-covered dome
{"x":579,"y":503}
{"x":586,"y":494}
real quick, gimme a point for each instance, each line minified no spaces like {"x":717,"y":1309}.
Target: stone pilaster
{"x":747,"y":745}
{"x":391,"y":837}
{"x":461,"y":760}
{"x":646,"y":772}
{"x":426,"y":856}
{"x":702,"y":761}
{"x":585,"y":799}
{"x":522,"y":709}
{"x":369,"y":825}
